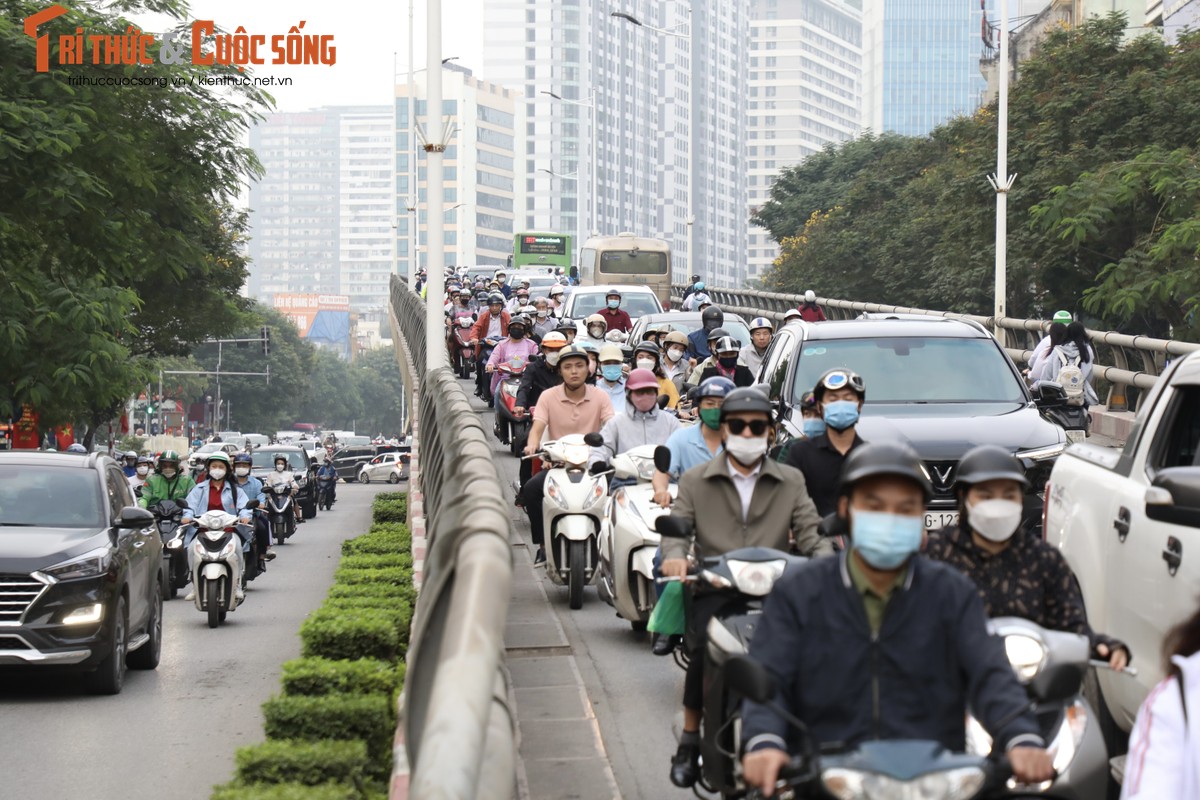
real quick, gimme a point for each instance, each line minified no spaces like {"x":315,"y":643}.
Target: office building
{"x":365,"y":205}
{"x":1178,"y":15}
{"x":805,"y":92}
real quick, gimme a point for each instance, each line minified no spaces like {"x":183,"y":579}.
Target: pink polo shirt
{"x":564,"y":416}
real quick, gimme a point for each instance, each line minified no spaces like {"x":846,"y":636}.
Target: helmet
{"x":717,"y":333}
{"x":522,"y":291}
{"x":712,"y":317}
{"x":242,"y":458}
{"x":675,"y":337}
{"x":495,"y":297}
{"x":714,"y":387}
{"x":641,"y":379}
{"x":145,"y":460}
{"x":662,"y":327}
{"x":556,"y":289}
{"x":131,"y":454}
{"x":695,"y":278}
{"x":746,"y":398}
{"x":220,"y":455}
{"x":759,"y":323}
{"x":646,"y":347}
{"x":883,"y":458}
{"x":567,"y":324}
{"x":571,"y":351}
{"x":810,"y":296}
{"x":279,"y":457}
{"x":554,"y":341}
{"x":588,"y":345}
{"x":728,"y":344}
{"x":839,"y":378}
{"x":612,"y":292}
{"x":808,"y":401}
{"x":988,"y":462}
{"x":611,"y":352}
{"x":464,"y":292}
{"x":1063,"y":316}
{"x":595,"y":319}
{"x":790,"y":315}
{"x":168,"y":455}
{"x":519,"y":319}
{"x":76,"y":447}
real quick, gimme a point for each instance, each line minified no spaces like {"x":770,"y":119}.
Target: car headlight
{"x":88,"y":565}
{"x":555,"y":493}
{"x":1026,"y":655}
{"x":1042,"y":453}
{"x":852,"y":784}
{"x":756,"y":577}
{"x":85,"y":615}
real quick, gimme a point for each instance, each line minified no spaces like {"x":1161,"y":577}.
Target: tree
{"x":377,"y":375}
{"x":333,"y":399}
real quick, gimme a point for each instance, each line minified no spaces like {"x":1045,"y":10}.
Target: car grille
{"x":942,"y":475}
{"x":13,"y":643}
{"x":17,"y":593}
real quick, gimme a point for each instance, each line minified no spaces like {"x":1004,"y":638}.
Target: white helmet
{"x":810,"y":296}
{"x":761,"y":322}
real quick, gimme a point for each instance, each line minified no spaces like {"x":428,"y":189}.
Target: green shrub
{"x":320,"y":676}
{"x":369,"y":717}
{"x":397,"y":609}
{"x":379,"y":590}
{"x":397,"y":576}
{"x":376,"y":561}
{"x":237,"y":790}
{"x":365,"y":633}
{"x":390,"y":507}
{"x":388,"y":537}
{"x":307,"y":762}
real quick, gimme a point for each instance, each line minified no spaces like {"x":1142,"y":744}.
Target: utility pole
{"x":1002,"y":181}
{"x":437,"y":137}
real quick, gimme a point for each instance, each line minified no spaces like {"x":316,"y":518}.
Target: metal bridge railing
{"x":1122,"y":360}
{"x":456,"y":725}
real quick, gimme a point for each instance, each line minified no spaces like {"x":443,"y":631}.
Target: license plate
{"x":1075,"y":437}
{"x":936,"y":520}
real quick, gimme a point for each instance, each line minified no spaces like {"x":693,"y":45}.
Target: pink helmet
{"x":641,"y":379}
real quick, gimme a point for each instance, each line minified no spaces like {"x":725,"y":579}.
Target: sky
{"x":370,"y":36}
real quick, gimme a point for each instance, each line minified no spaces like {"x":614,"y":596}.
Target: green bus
{"x":532,"y":250}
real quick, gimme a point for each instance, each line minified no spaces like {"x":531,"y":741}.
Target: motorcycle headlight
{"x":88,"y":565}
{"x":756,"y":577}
{"x":510,"y":390}
{"x":852,"y":784}
{"x":1070,"y":734}
{"x":645,"y":468}
{"x":554,"y":493}
{"x":576,"y":455}
{"x":1026,"y":655}
{"x":599,"y":492}
{"x":229,"y":549}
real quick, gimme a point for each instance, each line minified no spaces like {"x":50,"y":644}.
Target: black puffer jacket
{"x":537,"y":378}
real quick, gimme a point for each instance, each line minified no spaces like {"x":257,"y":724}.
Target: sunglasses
{"x":757,"y":427}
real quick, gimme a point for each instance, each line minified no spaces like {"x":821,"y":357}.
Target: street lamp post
{"x":691,"y":194}
{"x":1002,"y":181}
{"x":592,"y":227}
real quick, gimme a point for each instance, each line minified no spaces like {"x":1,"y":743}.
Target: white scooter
{"x":217,"y":563}
{"x":628,"y":545}
{"x":575,"y":513}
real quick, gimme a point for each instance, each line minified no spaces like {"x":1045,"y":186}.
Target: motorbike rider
{"x":326,"y":472}
{"x":648,"y":355}
{"x":696,"y":285}
{"x":539,"y":375}
{"x":739,"y":499}
{"x":557,"y":308}
{"x":570,"y":407}
{"x":502,"y":285}
{"x":130,"y":465}
{"x":543,"y":321}
{"x":698,"y":369}
{"x":726,"y":363}
{"x":516,"y":346}
{"x":809,"y":310}
{"x":751,"y":356}
{"x":243,"y":464}
{"x":567,"y":327}
{"x":711,"y":318}
{"x":839,"y":394}
{"x":215,"y":493}
{"x":612,"y":375}
{"x":1017,"y":574}
{"x":642,"y":422}
{"x":880,"y":642}
{"x":282,"y":475}
{"x":140,"y":472}
{"x":167,"y":483}
{"x":812,"y":426}
{"x":674,"y":365}
{"x":615,"y":317}
{"x":492,"y":324}
{"x":519,"y":299}
{"x":693,"y":445}
{"x":596,"y":328}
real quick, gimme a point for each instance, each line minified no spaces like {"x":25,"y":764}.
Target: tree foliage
{"x":1102,"y":136}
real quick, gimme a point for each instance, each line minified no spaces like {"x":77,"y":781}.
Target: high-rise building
{"x":920,"y":63}
{"x":1178,"y":15}
{"x":805,"y":90}
{"x":367,"y":155}
{"x":482,"y":176}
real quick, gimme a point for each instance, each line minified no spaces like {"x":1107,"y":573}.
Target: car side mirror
{"x":1174,"y":496}
{"x":593,"y":439}
{"x":1049,"y":393}
{"x":749,"y":678}
{"x":134,"y":517}
{"x":662,"y":458}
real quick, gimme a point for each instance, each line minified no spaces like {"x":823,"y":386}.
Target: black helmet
{"x":712,"y":317}
{"x":716,"y":333}
{"x":242,"y":458}
{"x":519,"y":319}
{"x":567,"y":325}
{"x":839,"y":378}
{"x":746,"y":398}
{"x":988,"y":462}
{"x":808,"y":401}
{"x":647,"y":346}
{"x":883,"y":458}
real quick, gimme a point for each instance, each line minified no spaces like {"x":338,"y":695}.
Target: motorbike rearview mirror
{"x":832,"y":525}
{"x":1049,"y":393}
{"x":252,"y":504}
{"x":662,"y":458}
{"x":134,"y":517}
{"x":749,"y":678}
{"x":599,"y":467}
{"x":1057,"y":682}
{"x":663,"y":401}
{"x":593,"y":439}
{"x":672,"y":527}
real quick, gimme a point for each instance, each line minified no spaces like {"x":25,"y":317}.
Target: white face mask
{"x":646,"y":363}
{"x":168,"y":473}
{"x":143,"y":471}
{"x":543,"y":313}
{"x":552,"y":358}
{"x":746,"y":450}
{"x":596,"y":332}
{"x":217,"y":473}
{"x":674,"y":354}
{"x":280,"y":467}
{"x":241,"y":472}
{"x":995,"y":520}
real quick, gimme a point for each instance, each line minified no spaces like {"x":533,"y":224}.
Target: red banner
{"x":25,"y":430}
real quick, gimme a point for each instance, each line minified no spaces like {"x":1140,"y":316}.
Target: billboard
{"x":323,"y":319}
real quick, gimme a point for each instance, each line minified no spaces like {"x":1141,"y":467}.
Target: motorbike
{"x":743,"y":577}
{"x":628,"y":544}
{"x":508,"y":426}
{"x":484,"y":381}
{"x":1051,"y":402}
{"x":575,"y":513}
{"x":325,"y":488}
{"x":167,"y":514}
{"x":462,"y":352}
{"x":217,"y":563}
{"x":279,"y":511}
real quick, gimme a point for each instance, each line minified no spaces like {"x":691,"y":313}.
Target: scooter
{"x":1051,"y":401}
{"x":167,"y":514}
{"x":483,"y":381}
{"x":217,"y":563}
{"x":508,"y":425}
{"x":325,"y":487}
{"x":575,"y":513}
{"x":628,"y":545}
{"x":463,"y":351}
{"x":744,"y":577}
{"x":279,"y":511}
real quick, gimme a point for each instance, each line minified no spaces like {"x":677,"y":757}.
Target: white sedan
{"x":390,"y":467}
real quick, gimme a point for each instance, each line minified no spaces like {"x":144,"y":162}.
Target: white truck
{"x":1128,"y":522}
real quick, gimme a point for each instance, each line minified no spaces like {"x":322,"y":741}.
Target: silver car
{"x":390,"y":467}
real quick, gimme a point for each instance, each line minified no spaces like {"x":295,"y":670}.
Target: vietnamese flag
{"x":65,"y":434}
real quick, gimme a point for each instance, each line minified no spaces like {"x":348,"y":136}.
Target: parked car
{"x":80,"y":569}
{"x":390,"y":467}
{"x":687,"y":321}
{"x":347,"y":460}
{"x":299,"y":462}
{"x":1125,"y":519}
{"x":941,"y":385}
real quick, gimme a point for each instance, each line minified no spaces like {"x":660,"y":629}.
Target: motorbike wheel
{"x":575,"y":581}
{"x":213,"y":599}
{"x":166,"y":586}
{"x":639,"y":626}
{"x":464,"y":371}
{"x":279,"y":531}
{"x":181,"y":575}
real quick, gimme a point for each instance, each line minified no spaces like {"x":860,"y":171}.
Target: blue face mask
{"x":885,"y":541}
{"x":611,"y":372}
{"x":614,"y":303}
{"x":841,"y":414}
{"x":813,"y":427}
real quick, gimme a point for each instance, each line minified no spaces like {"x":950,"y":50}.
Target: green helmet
{"x":221,"y":456}
{"x":168,"y":456}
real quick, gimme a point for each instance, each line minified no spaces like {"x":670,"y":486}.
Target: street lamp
{"x":691,"y":195}
{"x":1002,"y":182}
{"x":594,"y":200}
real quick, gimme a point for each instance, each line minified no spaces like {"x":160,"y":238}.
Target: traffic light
{"x":266,"y":340}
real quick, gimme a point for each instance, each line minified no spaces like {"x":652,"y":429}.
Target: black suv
{"x":80,"y":568}
{"x":347,"y":460}
{"x":300,"y":463}
{"x":941,"y":385}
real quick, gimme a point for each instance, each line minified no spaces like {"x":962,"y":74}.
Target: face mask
{"x":143,"y":471}
{"x":711,"y":417}
{"x":543,"y":313}
{"x":217,"y":473}
{"x":611,"y":372}
{"x":596,"y":332}
{"x":675,"y":354}
{"x":280,"y":467}
{"x":841,"y":414}
{"x":885,"y":541}
{"x":646,"y":363}
{"x":614,"y":303}
{"x":995,"y":520}
{"x":241,"y":472}
{"x":552,"y":359}
{"x":813,"y":427}
{"x":643,"y":402}
{"x":168,"y":473}
{"x":746,"y":450}
{"x":728,"y":362}
{"x":517,"y":333}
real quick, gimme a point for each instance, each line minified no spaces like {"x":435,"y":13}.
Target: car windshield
{"x":914,"y":369}
{"x":50,"y":497}
{"x":211,"y":447}
{"x":265,"y":459}
{"x":635,"y":304}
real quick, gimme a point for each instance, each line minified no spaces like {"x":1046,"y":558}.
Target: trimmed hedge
{"x":384,"y":538}
{"x":390,"y":507}
{"x":369,"y":717}
{"x":365,"y":633}
{"x":397,"y":576}
{"x":397,"y":609}
{"x":285,"y":791}
{"x":308,"y":762}
{"x":377,"y":561}
{"x":322,"y":676}
{"x":380,"y":590}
